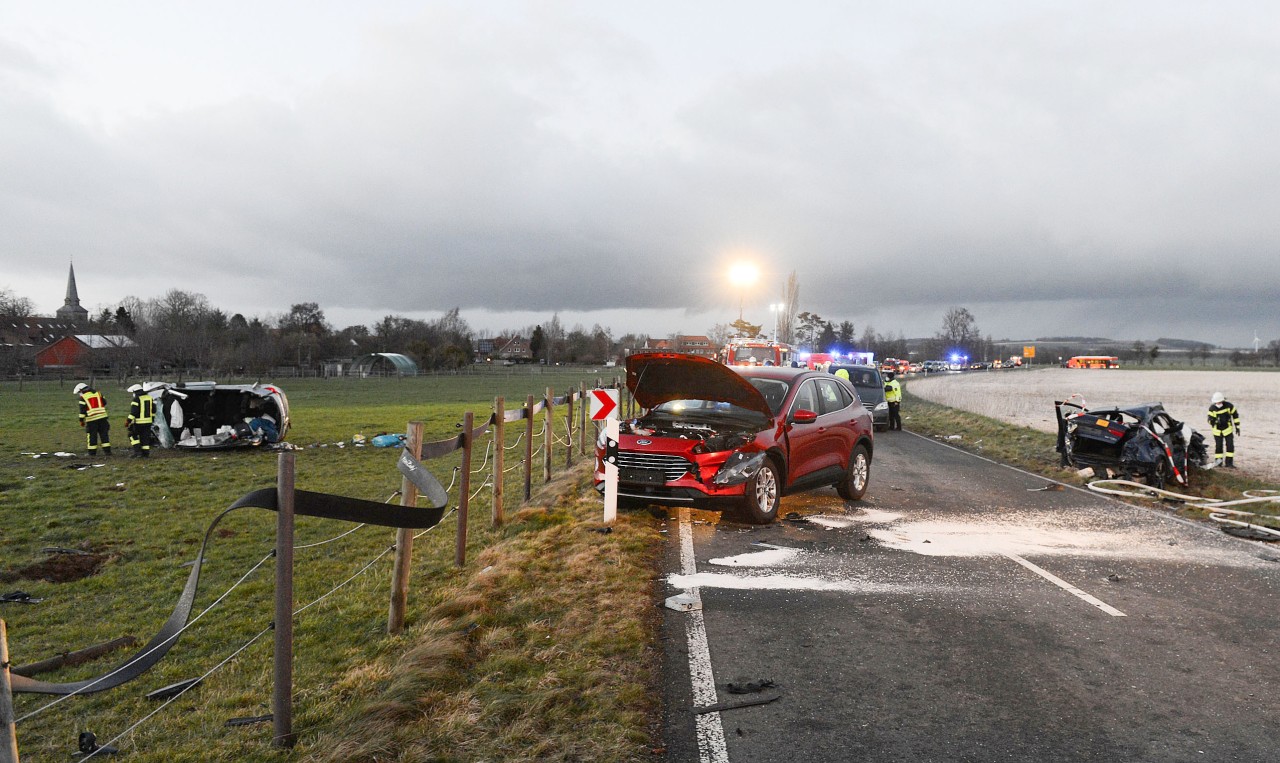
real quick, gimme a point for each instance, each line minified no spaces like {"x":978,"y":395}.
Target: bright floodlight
{"x":743,"y":274}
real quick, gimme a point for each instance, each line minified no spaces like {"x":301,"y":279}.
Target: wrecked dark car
{"x":1141,"y":442}
{"x":206,"y":415}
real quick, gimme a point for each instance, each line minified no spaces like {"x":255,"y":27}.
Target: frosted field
{"x":1025,"y":397}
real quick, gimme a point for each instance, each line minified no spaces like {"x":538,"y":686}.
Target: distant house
{"x":694,"y":344}
{"x":514,"y":348}
{"x":83,"y":353}
{"x":32,"y":332}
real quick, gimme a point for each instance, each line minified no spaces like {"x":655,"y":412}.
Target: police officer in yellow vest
{"x":893,"y":396}
{"x":1224,"y":422}
{"x":93,"y":417}
{"x":142,"y":411}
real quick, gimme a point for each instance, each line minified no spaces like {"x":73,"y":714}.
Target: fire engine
{"x":755,"y":352}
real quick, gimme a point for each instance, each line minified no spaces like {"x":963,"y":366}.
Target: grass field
{"x":537,"y":649}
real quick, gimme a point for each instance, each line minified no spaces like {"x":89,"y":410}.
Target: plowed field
{"x":1026,"y":396}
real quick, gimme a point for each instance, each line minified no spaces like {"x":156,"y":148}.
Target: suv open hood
{"x":658,"y":377}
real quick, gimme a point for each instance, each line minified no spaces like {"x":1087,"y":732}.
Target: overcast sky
{"x":1082,"y":168}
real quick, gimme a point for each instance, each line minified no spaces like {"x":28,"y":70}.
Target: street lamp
{"x":742,"y":275}
{"x":776,"y":309}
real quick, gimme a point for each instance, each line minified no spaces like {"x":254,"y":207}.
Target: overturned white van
{"x":205,"y":415}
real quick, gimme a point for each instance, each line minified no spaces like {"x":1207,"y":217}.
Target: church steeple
{"x":71,"y":311}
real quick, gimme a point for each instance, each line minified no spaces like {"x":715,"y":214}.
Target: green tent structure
{"x":384,"y":364}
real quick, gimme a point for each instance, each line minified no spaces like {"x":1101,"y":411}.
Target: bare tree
{"x":13,"y":306}
{"x":960,"y":331}
{"x":790,"y":305}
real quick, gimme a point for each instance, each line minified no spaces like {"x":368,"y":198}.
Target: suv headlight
{"x":738,"y":468}
{"x":883,"y":405}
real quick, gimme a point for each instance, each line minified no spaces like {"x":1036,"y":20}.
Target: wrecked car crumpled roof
{"x":1141,"y":439}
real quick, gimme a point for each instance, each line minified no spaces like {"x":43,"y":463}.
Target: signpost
{"x":604,"y":407}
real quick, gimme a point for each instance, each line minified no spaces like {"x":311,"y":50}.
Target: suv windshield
{"x":774,"y":392}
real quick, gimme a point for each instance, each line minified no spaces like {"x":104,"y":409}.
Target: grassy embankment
{"x":1033,"y":450}
{"x":539,"y":648}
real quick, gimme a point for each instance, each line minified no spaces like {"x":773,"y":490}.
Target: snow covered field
{"x":1025,"y":397}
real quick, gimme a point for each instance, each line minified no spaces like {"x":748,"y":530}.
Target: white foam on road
{"x":771,"y":557}
{"x":877,"y":517}
{"x":968,"y":539}
{"x":782,"y":583}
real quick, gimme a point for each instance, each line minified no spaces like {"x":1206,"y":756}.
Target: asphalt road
{"x":958,"y":614}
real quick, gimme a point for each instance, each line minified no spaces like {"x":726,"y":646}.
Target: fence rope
{"x":517,"y":442}
{"x":260,"y":634}
{"x":487,"y":483}
{"x":175,"y":697}
{"x":180,"y":631}
{"x":486,"y":459}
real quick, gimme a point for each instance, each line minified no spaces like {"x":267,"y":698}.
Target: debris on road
{"x":721,"y":706}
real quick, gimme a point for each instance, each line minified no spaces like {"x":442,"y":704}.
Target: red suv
{"x":737,"y":437}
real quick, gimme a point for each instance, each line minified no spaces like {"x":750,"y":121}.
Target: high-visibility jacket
{"x":892,"y":391}
{"x":93,"y":406}
{"x":1224,"y":419}
{"x":142,"y":410}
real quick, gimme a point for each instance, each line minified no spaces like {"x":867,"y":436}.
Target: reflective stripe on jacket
{"x":142,"y":410}
{"x":1224,"y":419}
{"x":93,"y":406}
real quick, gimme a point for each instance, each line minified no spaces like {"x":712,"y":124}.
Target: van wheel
{"x":854,"y":484}
{"x":763,"y":494}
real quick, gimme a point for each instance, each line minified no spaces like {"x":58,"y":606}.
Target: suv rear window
{"x":832,"y":400}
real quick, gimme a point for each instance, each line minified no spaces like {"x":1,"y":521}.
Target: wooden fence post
{"x":499,"y":456}
{"x":464,"y":494}
{"x":568,"y":432}
{"x":404,"y":540}
{"x":582,"y":419}
{"x":528,"y":449}
{"x":8,"y":729}
{"x":548,"y":438}
{"x":282,"y":694}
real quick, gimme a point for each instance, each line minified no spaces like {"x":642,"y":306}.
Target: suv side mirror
{"x":804,"y":416}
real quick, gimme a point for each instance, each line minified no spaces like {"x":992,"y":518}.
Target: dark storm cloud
{"x":1042,"y":163}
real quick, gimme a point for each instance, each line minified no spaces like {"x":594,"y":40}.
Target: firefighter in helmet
{"x":893,"y":396}
{"x":142,"y":411}
{"x":1224,"y":422}
{"x":94,"y":419}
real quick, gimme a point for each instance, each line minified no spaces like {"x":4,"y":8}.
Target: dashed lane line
{"x":1064,"y":585}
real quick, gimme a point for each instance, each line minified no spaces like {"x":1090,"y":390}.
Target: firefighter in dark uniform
{"x":1224,"y":421}
{"x":94,"y":419}
{"x":142,"y":411}
{"x":893,"y":396}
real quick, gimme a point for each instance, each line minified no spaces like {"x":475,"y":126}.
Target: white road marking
{"x":707,"y":726}
{"x":1064,"y":585}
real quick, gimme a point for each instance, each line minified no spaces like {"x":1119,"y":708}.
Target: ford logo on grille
{"x":644,"y":442}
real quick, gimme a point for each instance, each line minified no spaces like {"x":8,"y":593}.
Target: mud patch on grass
{"x":60,"y":567}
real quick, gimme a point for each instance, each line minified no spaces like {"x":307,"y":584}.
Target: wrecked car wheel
{"x":763,"y":494}
{"x":854,"y":484}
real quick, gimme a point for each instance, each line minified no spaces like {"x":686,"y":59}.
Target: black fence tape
{"x":304,"y":503}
